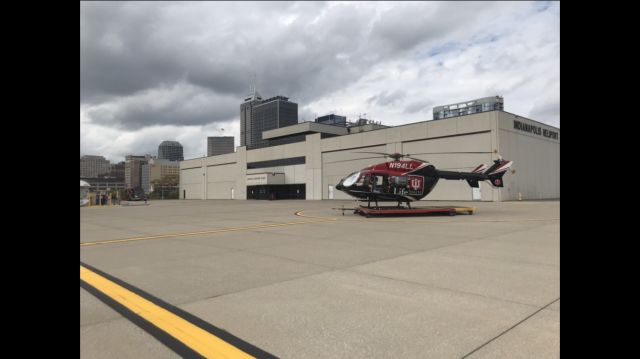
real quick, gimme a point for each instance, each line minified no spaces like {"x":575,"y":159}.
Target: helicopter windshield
{"x":351,"y":179}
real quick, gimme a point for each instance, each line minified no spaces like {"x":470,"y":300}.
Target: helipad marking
{"x":214,"y":231}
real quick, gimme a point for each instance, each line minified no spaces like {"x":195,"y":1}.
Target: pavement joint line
{"x":431,"y":286}
{"x":487,"y":237}
{"x":182,"y":332}
{"x":510,"y":328}
{"x":350,"y":269}
{"x":214,"y":231}
{"x":555,"y":266}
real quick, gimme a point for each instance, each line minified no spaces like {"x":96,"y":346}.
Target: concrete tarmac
{"x":300,"y":280}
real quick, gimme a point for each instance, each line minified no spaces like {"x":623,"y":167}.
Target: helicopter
{"x":405,"y":181}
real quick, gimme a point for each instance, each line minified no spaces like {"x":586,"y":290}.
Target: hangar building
{"x":310,"y":169}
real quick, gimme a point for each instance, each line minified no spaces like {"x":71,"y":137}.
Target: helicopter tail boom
{"x":481,"y":173}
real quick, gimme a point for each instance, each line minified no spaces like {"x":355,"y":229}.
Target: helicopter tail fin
{"x":473,"y":182}
{"x":497,"y":170}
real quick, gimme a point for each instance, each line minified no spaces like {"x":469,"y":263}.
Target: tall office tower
{"x":170,"y":150}
{"x":219,"y":145}
{"x":246,"y":110}
{"x":94,"y":166}
{"x":258,"y":115}
{"x":133,"y":170}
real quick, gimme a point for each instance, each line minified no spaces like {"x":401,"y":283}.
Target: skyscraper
{"x":219,"y":145}
{"x":170,"y":150}
{"x":246,"y":110}
{"x":258,"y":115}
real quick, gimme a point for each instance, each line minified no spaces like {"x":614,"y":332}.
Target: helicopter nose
{"x":339,"y":186}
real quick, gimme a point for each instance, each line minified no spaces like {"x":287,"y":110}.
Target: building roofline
{"x":526,"y":118}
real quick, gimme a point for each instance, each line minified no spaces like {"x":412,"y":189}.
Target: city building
{"x":219,"y":145}
{"x":310,"y":169}
{"x":170,"y":150}
{"x":94,"y":166}
{"x":117,"y":171}
{"x":332,"y":119}
{"x":156,"y":169}
{"x":298,"y":132}
{"x":133,"y":170}
{"x":258,"y":115}
{"x":495,"y":103}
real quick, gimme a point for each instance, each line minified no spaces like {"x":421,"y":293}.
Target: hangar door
{"x":221,"y":180}
{"x":191,"y":180}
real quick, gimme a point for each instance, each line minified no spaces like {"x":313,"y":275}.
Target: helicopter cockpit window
{"x":351,"y":179}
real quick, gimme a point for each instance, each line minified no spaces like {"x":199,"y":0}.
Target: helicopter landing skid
{"x":395,"y":211}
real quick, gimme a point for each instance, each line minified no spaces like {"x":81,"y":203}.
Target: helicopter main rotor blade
{"x":415,"y":159}
{"x":443,"y":153}
{"x":377,"y":153}
{"x":355,"y":159}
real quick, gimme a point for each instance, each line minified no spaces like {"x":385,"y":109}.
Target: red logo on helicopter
{"x":497,"y":181}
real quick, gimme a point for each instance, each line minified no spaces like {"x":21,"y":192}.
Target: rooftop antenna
{"x":254,"y":83}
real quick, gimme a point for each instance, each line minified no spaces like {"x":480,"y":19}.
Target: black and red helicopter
{"x":404,"y":181}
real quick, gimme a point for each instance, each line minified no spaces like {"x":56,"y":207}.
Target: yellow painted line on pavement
{"x":214,"y":231}
{"x":196,"y":338}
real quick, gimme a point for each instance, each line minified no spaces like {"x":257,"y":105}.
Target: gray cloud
{"x":418,"y":106}
{"x":547,"y":110}
{"x":181,"y":104}
{"x":127,"y":48}
{"x":387,"y":98}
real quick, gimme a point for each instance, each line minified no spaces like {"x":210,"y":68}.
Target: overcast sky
{"x":155,"y":71}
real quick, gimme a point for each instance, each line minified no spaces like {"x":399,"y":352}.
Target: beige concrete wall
{"x":192,"y":181}
{"x":329,"y":160}
{"x":241,"y":180}
{"x":536,"y":160}
{"x":220,"y":180}
{"x":292,"y":174}
{"x":276,"y":152}
{"x":313,"y":166}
